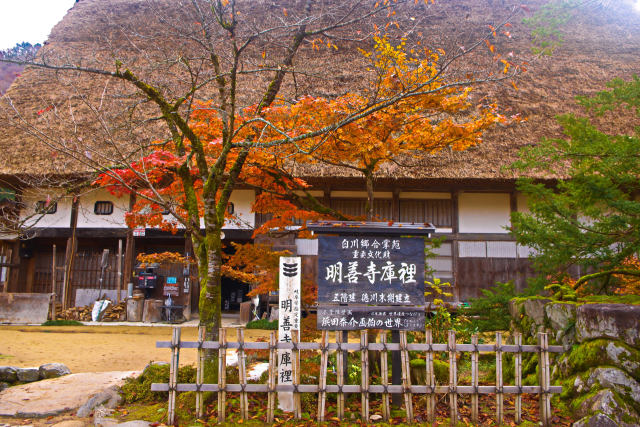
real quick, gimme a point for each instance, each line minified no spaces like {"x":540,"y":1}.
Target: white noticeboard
{"x":288,"y":321}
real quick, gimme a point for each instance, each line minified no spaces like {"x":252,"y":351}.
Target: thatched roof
{"x":599,"y":43}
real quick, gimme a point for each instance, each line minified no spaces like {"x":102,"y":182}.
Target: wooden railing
{"x":453,"y":389}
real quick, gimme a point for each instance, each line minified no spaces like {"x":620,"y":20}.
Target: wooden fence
{"x":453,"y":389}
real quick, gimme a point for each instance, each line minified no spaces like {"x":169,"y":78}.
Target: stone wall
{"x":600,"y":369}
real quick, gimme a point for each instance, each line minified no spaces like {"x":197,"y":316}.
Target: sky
{"x":29,"y":20}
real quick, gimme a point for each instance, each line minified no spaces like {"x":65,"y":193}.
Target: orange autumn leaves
{"x":410,"y":109}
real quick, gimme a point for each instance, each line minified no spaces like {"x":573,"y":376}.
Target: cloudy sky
{"x":29,"y":20}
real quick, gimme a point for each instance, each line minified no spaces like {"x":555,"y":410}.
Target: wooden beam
{"x":70,"y":253}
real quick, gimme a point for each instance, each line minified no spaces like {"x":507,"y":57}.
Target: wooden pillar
{"x":72,"y":247}
{"x":396,"y":205}
{"x":130,"y":248}
{"x":31,"y":270}
{"x":14,"y":270}
{"x":455,"y":229}
{"x":119,"y":261}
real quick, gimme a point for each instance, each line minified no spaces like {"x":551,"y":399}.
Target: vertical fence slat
{"x":323,"y":375}
{"x":273,"y":370}
{"x":340,"y":373}
{"x":499,"y":384}
{"x":518,"y":374}
{"x":431,"y":378}
{"x":173,"y":375}
{"x":406,"y":376}
{"x":544,"y":368}
{"x":453,"y":378}
{"x":200,"y":373}
{"x":222,"y":375}
{"x":242,"y":375}
{"x":384,"y":368}
{"x":474,"y":379}
{"x":364,"y":374}
{"x":296,"y":374}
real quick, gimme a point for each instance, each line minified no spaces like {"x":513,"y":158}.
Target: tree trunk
{"x":209,"y":255}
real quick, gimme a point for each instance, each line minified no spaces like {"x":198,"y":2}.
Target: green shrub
{"x":139,"y":389}
{"x":263,"y":324}
{"x":491,"y":311}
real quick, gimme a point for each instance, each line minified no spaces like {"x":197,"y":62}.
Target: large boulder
{"x":561,"y":317}
{"x":609,"y":404}
{"x":612,"y":321}
{"x":615,"y":379}
{"x":534,"y":309}
{"x":597,"y":420}
{"x":53,"y":370}
{"x":109,"y":398}
{"x":8,"y":374}
{"x":28,"y":375}
{"x":600,"y":352}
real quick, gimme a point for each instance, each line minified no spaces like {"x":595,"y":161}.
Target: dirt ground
{"x":95,"y":348}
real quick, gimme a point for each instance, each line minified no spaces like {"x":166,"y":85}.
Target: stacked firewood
{"x":113,"y":313}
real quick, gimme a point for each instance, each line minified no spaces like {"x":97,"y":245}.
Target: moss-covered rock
{"x":610,"y":321}
{"x":419,"y":371}
{"x":606,"y":402}
{"x":617,"y":380}
{"x":601,"y":352}
{"x":561,"y":319}
{"x":534,"y":309}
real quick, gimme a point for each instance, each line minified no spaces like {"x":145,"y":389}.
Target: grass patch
{"x":62,"y":322}
{"x":263,"y":324}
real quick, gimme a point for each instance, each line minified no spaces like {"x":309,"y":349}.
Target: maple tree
{"x":187,"y":69}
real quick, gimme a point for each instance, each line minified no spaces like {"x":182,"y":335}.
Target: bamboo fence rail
{"x":365,"y":388}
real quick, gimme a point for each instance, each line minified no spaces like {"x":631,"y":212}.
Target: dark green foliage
{"x":61,"y":322}
{"x":263,"y":324}
{"x":491,"y":311}
{"x":593,"y":217}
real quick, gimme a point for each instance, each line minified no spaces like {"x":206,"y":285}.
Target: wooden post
{"x":242,"y":375}
{"x":340,"y":374}
{"x":431,"y":379}
{"x":53,"y":284}
{"x":545,"y":379}
{"x":297,"y":404}
{"x":475,"y":355}
{"x":453,"y":378}
{"x":200,"y":369}
{"x":364,"y":371}
{"x":70,"y":254}
{"x":384,"y":371}
{"x":406,"y":376}
{"x":129,"y":247}
{"x":173,"y":375}
{"x":119,"y":287}
{"x":7,"y":259}
{"x":323,"y":375}
{"x":273,"y":371}
{"x":518,"y":380}
{"x":499,"y":384}
{"x":222,"y":374}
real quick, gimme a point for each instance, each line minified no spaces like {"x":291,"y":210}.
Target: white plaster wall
{"x":60,"y":219}
{"x":88,"y":219}
{"x":483,"y":212}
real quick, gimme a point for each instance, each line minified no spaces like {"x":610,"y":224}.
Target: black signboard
{"x":337,"y":318}
{"x":371,"y":270}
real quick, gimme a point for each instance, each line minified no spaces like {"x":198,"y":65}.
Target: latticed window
{"x":103,"y":208}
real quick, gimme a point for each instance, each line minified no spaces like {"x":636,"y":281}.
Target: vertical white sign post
{"x":289,"y":320}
